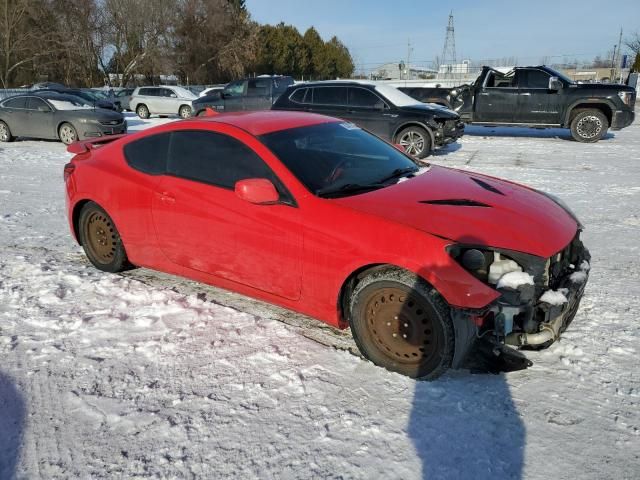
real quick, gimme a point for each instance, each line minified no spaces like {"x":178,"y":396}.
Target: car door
{"x":15,"y":114}
{"x":233,"y":95}
{"x":367,"y":109}
{"x":536,"y":103}
{"x":330,"y":100}
{"x":258,"y":94}
{"x":203,"y":225}
{"x":496,"y":100}
{"x":167,"y":100}
{"x":39,"y":118}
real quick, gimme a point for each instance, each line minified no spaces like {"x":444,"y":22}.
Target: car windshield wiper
{"x":348,"y":188}
{"x":399,"y":172}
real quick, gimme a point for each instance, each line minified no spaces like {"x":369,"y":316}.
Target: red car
{"x":322,"y":217}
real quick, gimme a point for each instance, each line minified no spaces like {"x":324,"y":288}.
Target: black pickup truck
{"x":538,"y":97}
{"x":256,"y":93}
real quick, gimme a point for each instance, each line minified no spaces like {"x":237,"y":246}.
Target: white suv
{"x":163,"y":100}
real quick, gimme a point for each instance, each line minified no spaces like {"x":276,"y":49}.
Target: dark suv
{"x":379,"y":108}
{"x":256,"y":93}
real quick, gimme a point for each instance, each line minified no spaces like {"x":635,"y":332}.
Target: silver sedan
{"x":55,"y":116}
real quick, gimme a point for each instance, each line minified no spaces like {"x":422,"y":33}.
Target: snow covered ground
{"x":144,"y":375}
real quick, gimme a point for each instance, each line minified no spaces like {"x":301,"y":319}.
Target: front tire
{"x":143,"y":112}
{"x":416,"y":141}
{"x":100,"y":239}
{"x":589,"y":125}
{"x":67,"y":133}
{"x":5,"y":133}
{"x":185,"y":111}
{"x":402,"y":324}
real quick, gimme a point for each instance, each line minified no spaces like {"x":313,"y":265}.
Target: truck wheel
{"x":589,"y":125}
{"x":416,"y":141}
{"x":142,"y":111}
{"x":402,"y":324}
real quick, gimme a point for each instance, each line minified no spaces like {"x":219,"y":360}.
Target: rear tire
{"x":589,"y":125}
{"x":143,"y":111}
{"x":402,"y":324}
{"x":416,"y":141}
{"x":100,"y":239}
{"x":185,"y":111}
{"x":67,"y":133}
{"x":5,"y":133}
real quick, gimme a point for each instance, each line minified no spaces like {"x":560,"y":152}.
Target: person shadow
{"x":12,"y":417}
{"x":464,"y":425}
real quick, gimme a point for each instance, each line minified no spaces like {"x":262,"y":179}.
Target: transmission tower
{"x":449,"y":51}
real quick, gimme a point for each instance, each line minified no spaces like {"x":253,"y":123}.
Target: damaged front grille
{"x":566,"y":260}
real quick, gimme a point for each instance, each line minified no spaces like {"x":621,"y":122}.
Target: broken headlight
{"x":491,"y":264}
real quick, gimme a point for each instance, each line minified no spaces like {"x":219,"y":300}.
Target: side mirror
{"x":555,"y":84}
{"x":257,"y":190}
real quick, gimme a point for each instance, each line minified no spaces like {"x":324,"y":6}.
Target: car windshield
{"x":69,"y":103}
{"x":395,"y":96}
{"x":184,"y":93}
{"x":339,"y":159}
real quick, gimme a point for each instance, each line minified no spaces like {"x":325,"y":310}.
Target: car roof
{"x":366,"y":83}
{"x":269,"y":121}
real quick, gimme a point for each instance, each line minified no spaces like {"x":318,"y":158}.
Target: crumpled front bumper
{"x":450,"y":131}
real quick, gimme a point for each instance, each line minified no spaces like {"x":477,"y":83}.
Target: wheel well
{"x":184,"y":105}
{"x":413,"y":124}
{"x":141,"y":105}
{"x":75,"y":218}
{"x":352,"y":280}
{"x":62,"y":123}
{"x":603,"y":107}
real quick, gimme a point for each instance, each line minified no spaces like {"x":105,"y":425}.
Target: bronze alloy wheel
{"x":399,"y":325}
{"x":402,"y":324}
{"x":100,"y":239}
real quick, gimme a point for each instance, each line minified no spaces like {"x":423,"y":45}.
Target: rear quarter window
{"x":20,"y":102}
{"x":149,"y":154}
{"x":298,"y":95}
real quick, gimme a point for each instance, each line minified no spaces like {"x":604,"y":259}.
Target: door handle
{"x":351,"y":111}
{"x":483,"y":93}
{"x":528,"y":94}
{"x":166,"y":197}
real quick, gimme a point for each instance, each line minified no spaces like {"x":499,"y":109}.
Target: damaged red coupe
{"x":324,"y":218}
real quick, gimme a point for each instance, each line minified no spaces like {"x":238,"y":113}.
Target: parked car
{"x":164,"y":100}
{"x":538,"y":97}
{"x":88,"y":95}
{"x":256,"y":93}
{"x":379,"y":108}
{"x":122,"y":98}
{"x":317,"y":215}
{"x":51,"y":115}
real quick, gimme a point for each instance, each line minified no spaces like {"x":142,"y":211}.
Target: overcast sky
{"x":377,"y":31}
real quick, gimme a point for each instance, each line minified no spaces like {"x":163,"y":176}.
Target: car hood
{"x":474,"y":209}
{"x":430,"y":109}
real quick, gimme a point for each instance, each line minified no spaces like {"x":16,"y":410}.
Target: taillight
{"x":68,"y":170}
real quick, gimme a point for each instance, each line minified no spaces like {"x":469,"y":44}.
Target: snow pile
{"x":580,"y":276}
{"x":554,"y":297}
{"x":514,"y":280}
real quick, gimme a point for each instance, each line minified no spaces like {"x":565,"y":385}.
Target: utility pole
{"x":408,"y":73}
{"x":618,"y":57}
{"x":449,"y":50}
{"x":613,"y":62}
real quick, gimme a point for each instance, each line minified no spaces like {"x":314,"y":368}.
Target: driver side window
{"x":533,"y":79}
{"x":235,"y":89}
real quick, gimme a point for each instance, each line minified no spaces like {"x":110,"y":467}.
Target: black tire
{"x":143,"y":111}
{"x":5,"y":133}
{"x":67,"y":133}
{"x":100,"y":239}
{"x":402,"y":324}
{"x":589,"y":125}
{"x":416,"y":141}
{"x":184,"y":111}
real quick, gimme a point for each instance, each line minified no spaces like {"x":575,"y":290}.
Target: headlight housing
{"x":626,"y":97}
{"x":490,"y":264}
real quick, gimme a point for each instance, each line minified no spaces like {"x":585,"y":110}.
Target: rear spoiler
{"x":84,"y":146}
